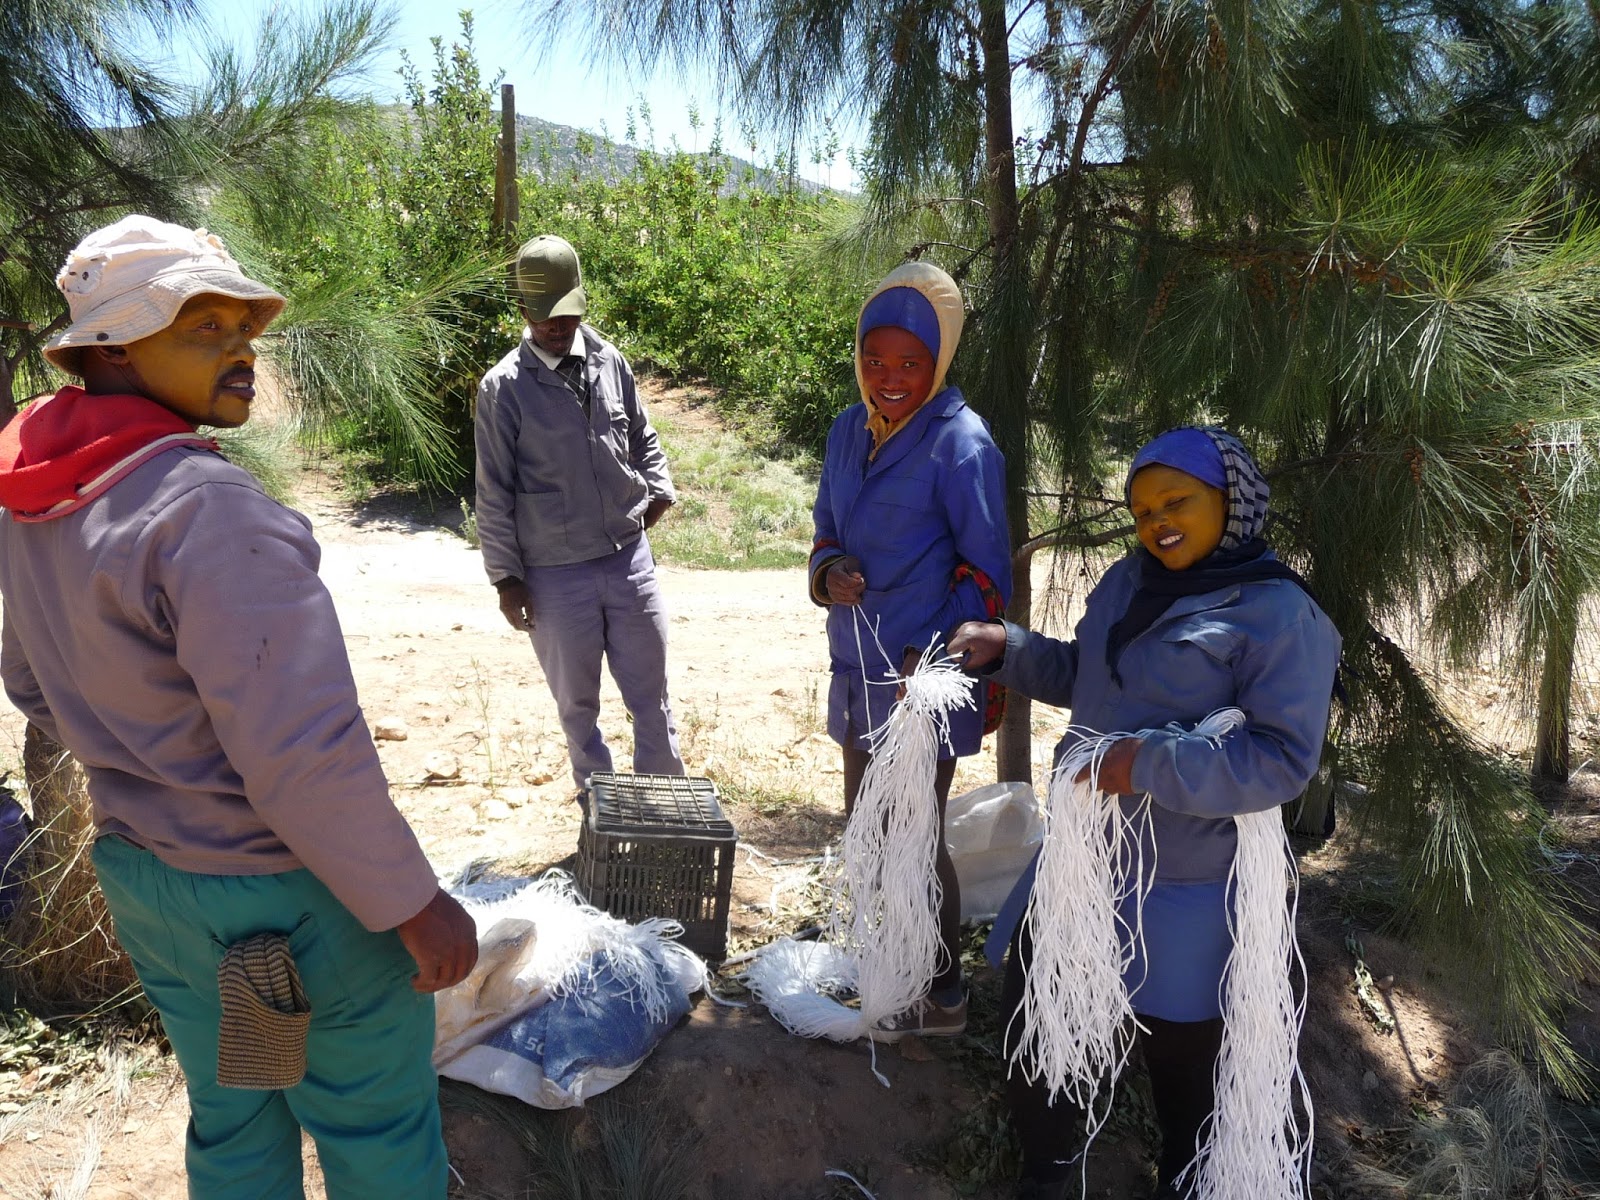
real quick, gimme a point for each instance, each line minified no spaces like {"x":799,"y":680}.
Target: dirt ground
{"x":470,"y":740}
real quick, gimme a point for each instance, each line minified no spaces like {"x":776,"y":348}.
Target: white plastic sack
{"x":584,"y":1042}
{"x":993,"y":833}
{"x":565,"y":1000}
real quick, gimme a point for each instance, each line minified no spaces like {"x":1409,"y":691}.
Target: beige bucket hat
{"x":128,"y":281}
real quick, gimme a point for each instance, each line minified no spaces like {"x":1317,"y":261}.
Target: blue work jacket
{"x":1263,"y":647}
{"x":932,"y":499}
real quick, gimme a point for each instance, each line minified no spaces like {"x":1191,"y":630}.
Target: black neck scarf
{"x":1159,"y":588}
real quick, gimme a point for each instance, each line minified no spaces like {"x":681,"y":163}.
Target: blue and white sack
{"x":566,"y":1001}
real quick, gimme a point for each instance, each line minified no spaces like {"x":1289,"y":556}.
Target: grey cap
{"x":549,"y":280}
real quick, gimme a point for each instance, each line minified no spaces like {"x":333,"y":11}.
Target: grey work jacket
{"x":557,"y":483}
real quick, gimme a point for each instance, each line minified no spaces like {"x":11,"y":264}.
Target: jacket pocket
{"x":541,"y":516}
{"x":913,"y":494}
{"x":1219,"y":641}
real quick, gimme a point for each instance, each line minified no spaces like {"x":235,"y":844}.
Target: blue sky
{"x":554,"y":82}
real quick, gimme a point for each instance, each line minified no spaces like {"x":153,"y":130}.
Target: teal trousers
{"x":370,"y":1098}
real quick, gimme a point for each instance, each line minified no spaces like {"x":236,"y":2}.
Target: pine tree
{"x":1361,"y":236}
{"x":65,"y":74}
{"x":92,"y":134}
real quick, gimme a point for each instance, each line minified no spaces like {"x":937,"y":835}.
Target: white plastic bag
{"x":993,"y":833}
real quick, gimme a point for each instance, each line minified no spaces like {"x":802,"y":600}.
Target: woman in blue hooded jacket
{"x":911,"y":541}
{"x":1202,"y":616}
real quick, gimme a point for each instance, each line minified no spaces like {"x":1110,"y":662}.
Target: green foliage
{"x":736,"y":509}
{"x":387,"y":254}
{"x":266,"y":452}
{"x":388,"y":240}
{"x":1470,"y":878}
{"x":66,"y":85}
{"x":694,"y":272}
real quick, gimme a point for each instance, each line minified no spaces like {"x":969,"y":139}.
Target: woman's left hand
{"x":1116,"y":768}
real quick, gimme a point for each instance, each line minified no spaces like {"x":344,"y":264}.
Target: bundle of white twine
{"x":1258,"y":1144}
{"x":883,"y":928}
{"x":886,"y":898}
{"x":1077,"y":1021}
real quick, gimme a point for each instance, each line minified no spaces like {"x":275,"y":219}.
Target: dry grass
{"x":1496,"y":1138}
{"x":89,"y":1111}
{"x":57,"y":953}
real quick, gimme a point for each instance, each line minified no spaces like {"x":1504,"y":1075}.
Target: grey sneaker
{"x":923,"y":1019}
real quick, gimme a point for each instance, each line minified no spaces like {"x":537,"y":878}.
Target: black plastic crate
{"x":659,"y":846}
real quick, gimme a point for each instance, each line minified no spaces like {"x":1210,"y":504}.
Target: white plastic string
{"x":892,"y":675}
{"x":1257,"y":1144}
{"x":883,"y":931}
{"x":886,"y":900}
{"x":1077,"y":1022}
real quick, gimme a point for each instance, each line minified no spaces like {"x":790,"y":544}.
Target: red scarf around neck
{"x":61,"y":453}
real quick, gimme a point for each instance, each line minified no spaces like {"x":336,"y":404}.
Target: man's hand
{"x":845,"y":584}
{"x":1116,"y":768}
{"x":443,"y":940}
{"x":653,"y":512}
{"x":978,"y":643}
{"x":516,"y":605}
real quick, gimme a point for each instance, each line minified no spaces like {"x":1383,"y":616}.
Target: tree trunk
{"x":1552,"y":751}
{"x":1013,"y":749}
{"x":1005,"y":383}
{"x":8,"y":381}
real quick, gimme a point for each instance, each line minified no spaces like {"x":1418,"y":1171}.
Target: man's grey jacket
{"x":560,"y":482}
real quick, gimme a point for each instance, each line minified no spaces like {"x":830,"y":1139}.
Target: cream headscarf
{"x":944,"y":297}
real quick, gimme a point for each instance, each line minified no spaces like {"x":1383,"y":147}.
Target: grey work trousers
{"x":607,"y":608}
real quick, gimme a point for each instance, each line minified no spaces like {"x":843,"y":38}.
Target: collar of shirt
{"x":554,"y":360}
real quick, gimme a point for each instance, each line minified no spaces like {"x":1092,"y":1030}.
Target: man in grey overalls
{"x":570,"y":475}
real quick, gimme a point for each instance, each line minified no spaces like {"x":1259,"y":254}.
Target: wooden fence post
{"x":507,"y":209}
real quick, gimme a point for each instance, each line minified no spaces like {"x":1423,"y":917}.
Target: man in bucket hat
{"x":570,"y":475}
{"x":164,"y":621}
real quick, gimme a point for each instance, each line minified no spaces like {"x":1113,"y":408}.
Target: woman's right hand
{"x":978,"y":643}
{"x":845,"y":582}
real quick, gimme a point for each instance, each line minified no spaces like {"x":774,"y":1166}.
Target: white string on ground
{"x":861,"y":1187}
{"x":1258,"y":1144}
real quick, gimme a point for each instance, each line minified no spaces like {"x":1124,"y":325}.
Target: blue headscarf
{"x":904,"y":308}
{"x":1186,"y":449}
{"x":1218,"y":459}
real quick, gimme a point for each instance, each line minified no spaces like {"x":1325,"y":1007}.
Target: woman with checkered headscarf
{"x":1200,"y":617}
